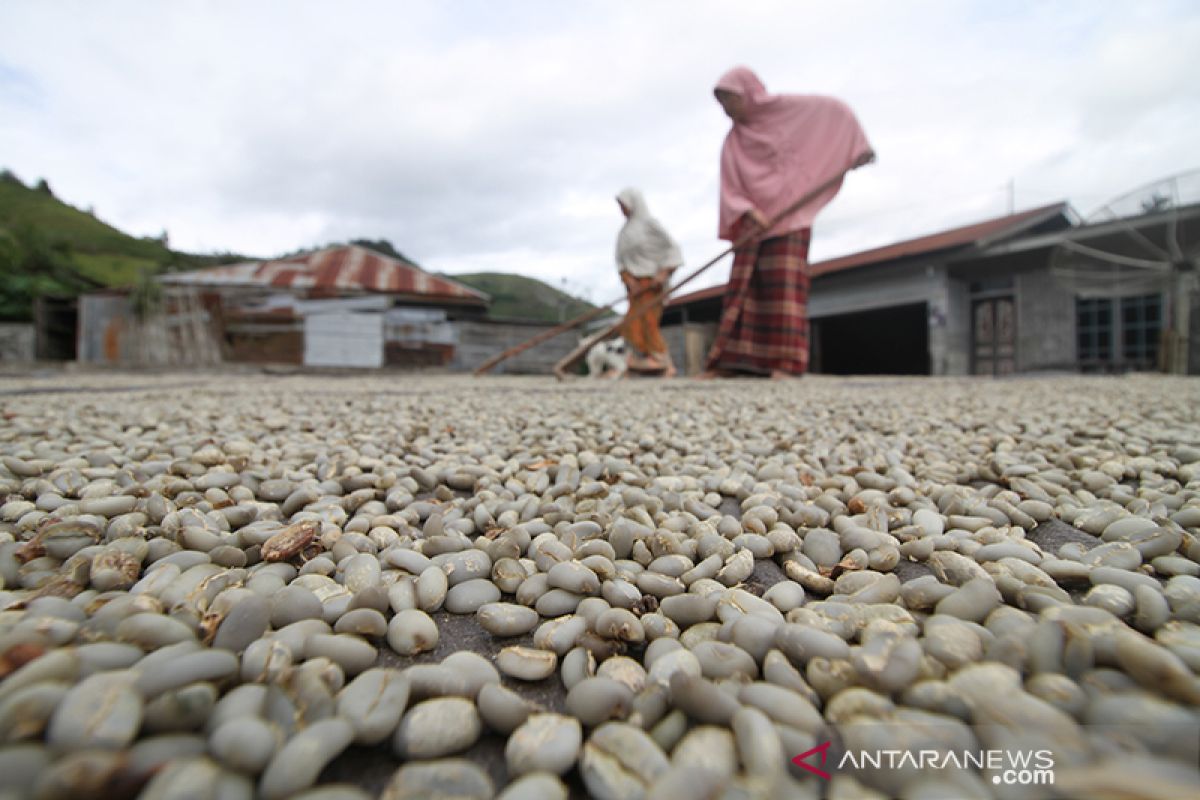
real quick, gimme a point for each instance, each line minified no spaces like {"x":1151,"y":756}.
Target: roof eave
{"x":1035,"y":219}
{"x":1081,"y":232}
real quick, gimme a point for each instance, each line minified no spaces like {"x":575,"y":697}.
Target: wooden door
{"x":994,"y":336}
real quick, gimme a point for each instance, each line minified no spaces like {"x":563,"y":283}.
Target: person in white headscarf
{"x":646,"y":257}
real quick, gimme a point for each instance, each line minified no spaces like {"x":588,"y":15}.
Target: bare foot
{"x":662,"y":361}
{"x":642,"y":364}
{"x":780,"y":375}
{"x":653,"y":362}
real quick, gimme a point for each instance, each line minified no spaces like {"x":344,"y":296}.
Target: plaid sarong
{"x":764,"y":317}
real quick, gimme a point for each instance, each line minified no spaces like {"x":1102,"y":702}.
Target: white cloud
{"x":480,"y":135}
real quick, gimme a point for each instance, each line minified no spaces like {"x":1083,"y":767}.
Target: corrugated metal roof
{"x":979,"y":232}
{"x":336,"y":269}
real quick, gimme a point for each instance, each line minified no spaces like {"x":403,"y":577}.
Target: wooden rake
{"x":560,"y":369}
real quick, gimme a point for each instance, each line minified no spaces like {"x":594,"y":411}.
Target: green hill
{"x":519,"y":297}
{"x":48,"y":247}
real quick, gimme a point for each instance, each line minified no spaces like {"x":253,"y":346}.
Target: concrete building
{"x":979,"y":299}
{"x":338,"y":307}
{"x":342,"y":306}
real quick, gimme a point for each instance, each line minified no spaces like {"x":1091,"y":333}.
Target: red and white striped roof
{"x":349,"y":269}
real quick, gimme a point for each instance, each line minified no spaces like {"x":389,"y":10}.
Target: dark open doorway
{"x":56,"y":320}
{"x":886,"y":341}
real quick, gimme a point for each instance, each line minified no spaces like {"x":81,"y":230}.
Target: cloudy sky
{"x":480,"y":135}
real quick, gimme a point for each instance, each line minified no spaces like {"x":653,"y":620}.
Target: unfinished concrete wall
{"x":954,"y":356}
{"x":945,"y":341}
{"x":1045,"y":323}
{"x":17,"y":341}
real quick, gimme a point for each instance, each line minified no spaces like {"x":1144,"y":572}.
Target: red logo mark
{"x":823,"y":750}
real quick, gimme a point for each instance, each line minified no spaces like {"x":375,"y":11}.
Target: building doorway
{"x":884,"y":341}
{"x":56,"y":320}
{"x":994,"y":336}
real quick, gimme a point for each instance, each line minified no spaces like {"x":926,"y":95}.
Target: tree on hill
{"x":522,"y":297}
{"x":35,"y":266}
{"x":49,"y":248}
{"x":383,"y":247}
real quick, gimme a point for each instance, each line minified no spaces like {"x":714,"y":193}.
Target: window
{"x":1140,"y":329}
{"x":1118,"y":332}
{"x":1093,"y":328}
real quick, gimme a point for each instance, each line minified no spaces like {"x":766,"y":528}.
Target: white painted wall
{"x":343,"y":339}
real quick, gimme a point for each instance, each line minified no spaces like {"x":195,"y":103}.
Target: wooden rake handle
{"x":560,"y":369}
{"x":562,"y":366}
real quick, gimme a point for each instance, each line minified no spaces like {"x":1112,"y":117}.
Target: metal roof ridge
{"x":1014,"y":218}
{"x":310,"y":263}
{"x":1011,"y":224}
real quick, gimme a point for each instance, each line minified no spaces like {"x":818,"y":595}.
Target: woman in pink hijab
{"x":780,"y":148}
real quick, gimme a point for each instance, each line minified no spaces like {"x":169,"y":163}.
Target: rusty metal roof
{"x":336,"y":270}
{"x":981,"y":233}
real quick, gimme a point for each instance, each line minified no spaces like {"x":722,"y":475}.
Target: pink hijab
{"x":787,"y":146}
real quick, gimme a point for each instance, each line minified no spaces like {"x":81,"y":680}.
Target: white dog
{"x":607,"y":359}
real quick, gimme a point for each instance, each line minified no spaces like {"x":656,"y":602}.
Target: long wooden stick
{"x":560,"y":369}
{"x":544,"y":336}
{"x":572,"y":357}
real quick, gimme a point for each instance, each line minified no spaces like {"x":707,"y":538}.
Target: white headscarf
{"x":643,"y":245}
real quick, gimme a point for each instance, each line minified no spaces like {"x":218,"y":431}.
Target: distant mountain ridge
{"x":522,"y":297}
